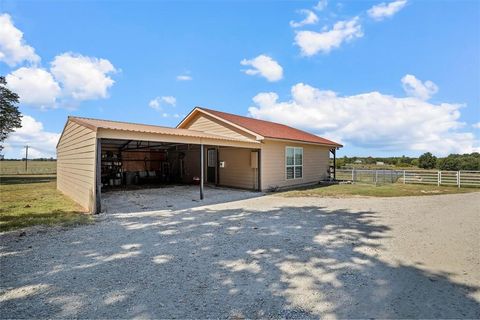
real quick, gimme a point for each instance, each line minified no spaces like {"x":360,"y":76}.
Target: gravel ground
{"x":269,"y":257}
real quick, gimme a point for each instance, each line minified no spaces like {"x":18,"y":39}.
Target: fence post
{"x":353,"y":175}
{"x":458,"y":179}
{"x":404,"y":177}
{"x":438,"y":178}
{"x":376,"y":177}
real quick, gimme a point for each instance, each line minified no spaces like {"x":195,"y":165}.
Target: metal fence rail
{"x":439,"y":178}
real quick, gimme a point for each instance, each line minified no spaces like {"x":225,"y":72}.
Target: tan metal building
{"x":207,"y":147}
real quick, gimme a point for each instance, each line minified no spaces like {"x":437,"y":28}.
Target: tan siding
{"x":237,"y":171}
{"x":315,"y":164}
{"x":76,"y":164}
{"x":208,"y":124}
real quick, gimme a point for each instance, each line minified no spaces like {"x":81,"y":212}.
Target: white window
{"x":293,"y":162}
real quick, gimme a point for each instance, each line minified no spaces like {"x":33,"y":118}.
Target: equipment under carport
{"x":126,"y":164}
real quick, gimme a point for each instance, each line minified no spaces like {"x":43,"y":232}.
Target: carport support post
{"x":334,"y":151}
{"x":201,"y":171}
{"x":98,"y":178}
{"x":259,"y":168}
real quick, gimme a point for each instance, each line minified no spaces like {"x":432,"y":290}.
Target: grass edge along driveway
{"x":29,"y":200}
{"x":34,"y":200}
{"x":370,"y":190}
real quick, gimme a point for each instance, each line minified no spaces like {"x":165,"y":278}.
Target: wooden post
{"x":98,"y":178}
{"x":404,"y":176}
{"x":26,"y":158}
{"x":202,"y":169}
{"x":439,"y":178}
{"x":334,"y":164}
{"x":259,"y":166}
{"x":458,"y":179}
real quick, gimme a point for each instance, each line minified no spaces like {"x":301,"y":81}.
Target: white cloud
{"x":264,"y":66}
{"x":35,"y":86}
{"x":154,"y":103}
{"x":310,"y":18}
{"x":373,"y":121}
{"x":170,"y":100}
{"x":71,"y":76}
{"x":321,"y":5}
{"x":13,"y":49}
{"x":476,"y":125}
{"x":171,"y":115}
{"x":184,"y":77}
{"x":311,"y":42}
{"x":385,"y":10}
{"x":82,"y":77}
{"x":158,"y":102}
{"x":41,"y":143}
{"x":416,"y":88}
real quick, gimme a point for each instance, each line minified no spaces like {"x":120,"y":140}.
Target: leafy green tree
{"x":427,"y":161}
{"x":10,"y":117}
{"x":450,"y":163}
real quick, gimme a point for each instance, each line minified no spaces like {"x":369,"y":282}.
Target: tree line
{"x":453,"y":162}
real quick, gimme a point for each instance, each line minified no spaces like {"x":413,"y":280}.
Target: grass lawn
{"x":12,"y":167}
{"x":369,"y":190}
{"x":34,"y":200}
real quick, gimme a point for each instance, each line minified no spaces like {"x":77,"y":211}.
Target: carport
{"x":96,"y":156}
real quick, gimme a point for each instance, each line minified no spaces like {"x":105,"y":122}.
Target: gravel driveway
{"x":265,"y":256}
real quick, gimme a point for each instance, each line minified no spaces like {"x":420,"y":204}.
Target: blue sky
{"x":384,"y":78}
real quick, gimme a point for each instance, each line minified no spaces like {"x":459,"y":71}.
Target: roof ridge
{"x":250,"y":118}
{"x":265,"y":121}
{"x":260,"y":120}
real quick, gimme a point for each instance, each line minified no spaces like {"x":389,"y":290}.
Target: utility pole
{"x":26,"y":158}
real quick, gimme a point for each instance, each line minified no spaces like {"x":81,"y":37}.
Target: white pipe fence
{"x":440,"y":178}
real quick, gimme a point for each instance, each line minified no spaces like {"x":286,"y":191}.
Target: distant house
{"x":207,"y":146}
{"x":380,"y":163}
{"x":358,"y":161}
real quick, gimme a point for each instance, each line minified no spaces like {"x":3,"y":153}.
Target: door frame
{"x":215,"y":174}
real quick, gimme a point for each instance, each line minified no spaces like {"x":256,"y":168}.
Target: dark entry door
{"x":211,"y":165}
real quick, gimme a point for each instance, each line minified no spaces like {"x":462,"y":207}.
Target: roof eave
{"x":333,"y":145}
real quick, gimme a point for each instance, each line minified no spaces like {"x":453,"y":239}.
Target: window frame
{"x":294,"y":165}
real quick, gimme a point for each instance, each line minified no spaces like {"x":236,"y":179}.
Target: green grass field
{"x":28,"y":200}
{"x":369,"y":190}
{"x":34,"y":200}
{"x":34,"y":167}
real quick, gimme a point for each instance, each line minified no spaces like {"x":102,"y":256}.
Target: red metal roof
{"x":271,"y":129}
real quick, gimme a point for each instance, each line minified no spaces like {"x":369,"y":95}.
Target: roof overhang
{"x":196,"y":138}
{"x":131,"y":131}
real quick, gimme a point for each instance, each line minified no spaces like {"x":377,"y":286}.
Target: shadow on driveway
{"x":293,"y":261}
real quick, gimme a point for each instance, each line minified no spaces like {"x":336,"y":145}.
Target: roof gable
{"x":201,"y":121}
